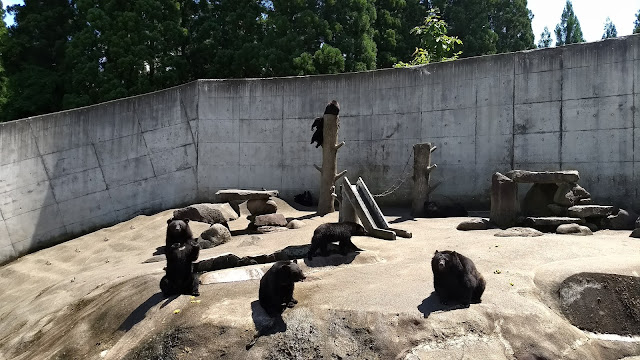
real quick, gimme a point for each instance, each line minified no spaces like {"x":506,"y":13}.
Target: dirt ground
{"x":95,"y":298}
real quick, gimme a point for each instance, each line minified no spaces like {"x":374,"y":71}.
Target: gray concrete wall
{"x":561,"y":108}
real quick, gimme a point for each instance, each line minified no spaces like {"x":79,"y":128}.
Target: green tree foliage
{"x":33,"y":55}
{"x":351,"y":27}
{"x":609,"y":29}
{"x":511,"y":21}
{"x":568,"y":31}
{"x":636,"y":23}
{"x":469,"y":20}
{"x":327,"y":60}
{"x":545,"y":39}
{"x":435,"y":44}
{"x":3,"y":75}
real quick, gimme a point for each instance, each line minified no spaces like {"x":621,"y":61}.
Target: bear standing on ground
{"x":180,"y":278}
{"x":456,"y":278}
{"x":178,"y":232}
{"x":276,"y":287}
{"x":332,"y":232}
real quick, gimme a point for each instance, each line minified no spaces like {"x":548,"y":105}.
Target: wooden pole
{"x":329,"y":167}
{"x":421,"y":170}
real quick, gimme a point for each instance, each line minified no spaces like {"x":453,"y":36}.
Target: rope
{"x":399,"y":181}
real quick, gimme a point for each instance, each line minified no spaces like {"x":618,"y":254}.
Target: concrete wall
{"x":562,"y":108}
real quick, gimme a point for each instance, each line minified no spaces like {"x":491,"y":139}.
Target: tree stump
{"x":504,"y":201}
{"x":329,"y":167}
{"x":421,"y":176}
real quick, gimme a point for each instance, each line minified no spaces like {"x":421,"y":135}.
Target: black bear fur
{"x":276,"y":287}
{"x":180,"y":278}
{"x":332,"y":108}
{"x":304,"y":199}
{"x":456,"y":278}
{"x":178,"y":232}
{"x":332,"y":232}
{"x":435,"y":210}
{"x":318,"y":135}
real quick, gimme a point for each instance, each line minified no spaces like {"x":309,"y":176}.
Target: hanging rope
{"x":400,"y":180}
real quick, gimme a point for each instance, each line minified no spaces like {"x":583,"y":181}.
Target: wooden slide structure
{"x":356,"y":202}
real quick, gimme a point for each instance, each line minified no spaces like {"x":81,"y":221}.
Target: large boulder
{"x":207,"y":213}
{"x":564,"y":195}
{"x":261,"y":207}
{"x":270,"y":220}
{"x":216,"y":235}
{"x":544,"y":177}
{"x":537,"y":200}
{"x":474,"y":224}
{"x":587,"y":211}
{"x":573,"y":229}
{"x":623,"y":220}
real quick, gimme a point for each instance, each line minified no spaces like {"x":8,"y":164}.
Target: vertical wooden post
{"x":421,"y":170}
{"x":504,"y":201}
{"x":329,"y":167}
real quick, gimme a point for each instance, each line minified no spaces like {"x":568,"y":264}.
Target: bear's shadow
{"x":140,"y":312}
{"x":432,"y":304}
{"x":334,"y":259}
{"x":265,"y":324}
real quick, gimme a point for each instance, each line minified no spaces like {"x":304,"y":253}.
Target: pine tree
{"x":3,"y":75}
{"x":609,"y":29}
{"x":511,"y":21}
{"x":568,"y":31}
{"x":545,"y":39}
{"x":34,"y":56}
{"x":636,"y":23}
{"x":469,"y":20}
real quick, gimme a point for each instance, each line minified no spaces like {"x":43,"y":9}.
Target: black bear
{"x":178,"y":232}
{"x":304,"y":199}
{"x":276,"y":287}
{"x":332,"y":108}
{"x":332,"y":232}
{"x":435,"y":210}
{"x":318,"y":135}
{"x":180,"y":278}
{"x":456,"y":278}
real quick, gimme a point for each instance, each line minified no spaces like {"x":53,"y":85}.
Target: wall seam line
{"x":513,"y":116}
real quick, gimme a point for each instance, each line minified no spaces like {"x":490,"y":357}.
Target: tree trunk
{"x":421,"y":172}
{"x":328,"y":175}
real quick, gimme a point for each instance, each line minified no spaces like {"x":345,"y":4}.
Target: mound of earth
{"x":602,"y":303}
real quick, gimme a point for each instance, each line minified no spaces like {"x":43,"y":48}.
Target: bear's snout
{"x":442,"y":264}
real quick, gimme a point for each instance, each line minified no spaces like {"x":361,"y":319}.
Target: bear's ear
{"x":169,"y":221}
{"x":436,"y":252}
{"x":186,"y":221}
{"x":295,"y":261}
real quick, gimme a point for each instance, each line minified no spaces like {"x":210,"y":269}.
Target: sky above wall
{"x":591,"y":13}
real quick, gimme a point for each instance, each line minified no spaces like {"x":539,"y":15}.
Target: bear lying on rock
{"x":456,"y":278}
{"x":332,"y":232}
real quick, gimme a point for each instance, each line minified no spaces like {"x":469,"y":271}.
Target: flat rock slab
{"x":270,"y":229}
{"x":254,"y":272}
{"x":583,"y":211}
{"x":573,"y":229}
{"x":544,"y":177}
{"x":552,"y":221}
{"x":243,"y":195}
{"x":206,"y":213}
{"x":474,"y":224}
{"x":519,"y":232}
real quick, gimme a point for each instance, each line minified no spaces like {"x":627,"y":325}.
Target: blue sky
{"x":591,"y":13}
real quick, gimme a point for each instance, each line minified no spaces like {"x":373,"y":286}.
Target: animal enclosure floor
{"x":94,"y":297}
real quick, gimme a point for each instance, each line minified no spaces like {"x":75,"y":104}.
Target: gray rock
{"x":250,"y":241}
{"x":262,"y":207}
{"x":295,"y":224}
{"x":203,"y":213}
{"x":473,"y":224}
{"x":638,"y":223}
{"x":573,"y":229}
{"x":544,"y":177}
{"x":623,"y":220}
{"x":216,"y":235}
{"x":586,"y":201}
{"x":552,"y":221}
{"x":635,"y":233}
{"x":583,"y":211}
{"x":270,"y":229}
{"x":518,"y":231}
{"x":564,"y":195}
{"x":270,"y":220}
{"x":537,"y":200}
{"x":237,"y":194}
{"x":580,"y":193}
{"x":593,"y":227}
{"x":558,"y":210}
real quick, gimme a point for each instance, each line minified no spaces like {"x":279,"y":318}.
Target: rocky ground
{"x":95,"y":298}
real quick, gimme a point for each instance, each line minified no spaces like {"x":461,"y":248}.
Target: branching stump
{"x":329,"y":167}
{"x":421,"y":176}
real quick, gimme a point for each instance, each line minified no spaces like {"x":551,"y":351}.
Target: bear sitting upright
{"x":456,"y":278}
{"x":332,"y":232}
{"x":178,"y":232}
{"x":180,"y":278}
{"x":276,"y":287}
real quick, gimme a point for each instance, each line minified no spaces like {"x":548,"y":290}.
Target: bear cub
{"x":456,"y":278}
{"x":276,"y":287}
{"x":332,"y":232}
{"x":178,"y":232}
{"x":180,"y":278}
